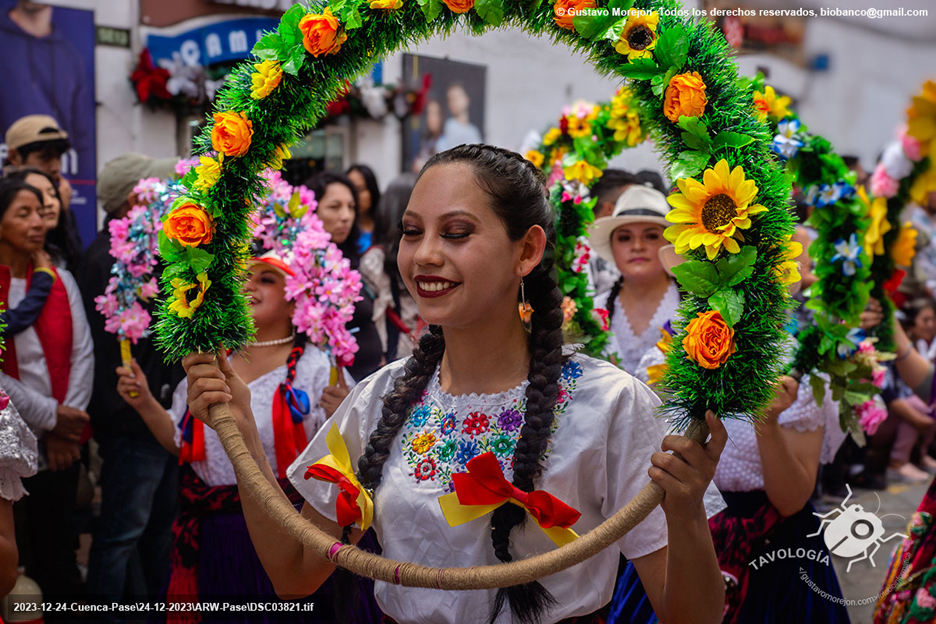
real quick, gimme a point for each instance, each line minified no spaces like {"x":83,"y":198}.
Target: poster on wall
{"x":454,"y":110}
{"x":47,"y":64}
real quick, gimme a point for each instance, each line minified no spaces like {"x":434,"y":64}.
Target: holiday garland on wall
{"x":726,"y":355}
{"x":574,"y":155}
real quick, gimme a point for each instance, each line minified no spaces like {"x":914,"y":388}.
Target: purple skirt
{"x":229,"y":570}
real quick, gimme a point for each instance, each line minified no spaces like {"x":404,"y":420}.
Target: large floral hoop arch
{"x":726,"y":356}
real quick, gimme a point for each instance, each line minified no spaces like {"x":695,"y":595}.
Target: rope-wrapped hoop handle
{"x":414,"y":575}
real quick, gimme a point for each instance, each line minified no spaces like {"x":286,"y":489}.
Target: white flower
{"x":897,"y":165}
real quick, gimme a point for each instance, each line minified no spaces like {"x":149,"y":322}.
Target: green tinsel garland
{"x":840,"y":218}
{"x":605,"y":132}
{"x":749,"y":294}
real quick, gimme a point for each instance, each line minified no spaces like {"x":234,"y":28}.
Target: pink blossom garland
{"x":134,"y":246}
{"x":325,"y":287}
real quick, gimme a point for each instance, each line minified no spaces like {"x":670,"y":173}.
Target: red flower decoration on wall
{"x":150,"y":80}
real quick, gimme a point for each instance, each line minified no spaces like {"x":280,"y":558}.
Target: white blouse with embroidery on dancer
{"x":601,"y":413}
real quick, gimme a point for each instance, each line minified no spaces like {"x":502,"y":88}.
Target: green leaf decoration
{"x":188,"y":180}
{"x":659,"y":82}
{"x":169,"y":250}
{"x":430,"y":8}
{"x":641,"y":69}
{"x":672,"y":47}
{"x":491,"y":11}
{"x":732,"y":139}
{"x":730,"y":303}
{"x":688,"y":164}
{"x":269,"y":48}
{"x":351,"y":18}
{"x":696,"y":135}
{"x":615,"y":31}
{"x":294,"y":60}
{"x":198,"y":259}
{"x":735,"y":268}
{"x":818,"y":389}
{"x":594,"y":27}
{"x":699,"y":278}
{"x":289,"y":26}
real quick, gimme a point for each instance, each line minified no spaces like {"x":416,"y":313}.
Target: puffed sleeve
{"x":18,"y":454}
{"x":635,"y":433}
{"x":356,"y":418}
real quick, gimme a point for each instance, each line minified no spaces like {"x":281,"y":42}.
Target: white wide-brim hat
{"x":637,"y":204}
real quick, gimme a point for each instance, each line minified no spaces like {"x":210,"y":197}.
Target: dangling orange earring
{"x":526,"y":310}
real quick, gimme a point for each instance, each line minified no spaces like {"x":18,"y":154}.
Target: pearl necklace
{"x":273,"y":343}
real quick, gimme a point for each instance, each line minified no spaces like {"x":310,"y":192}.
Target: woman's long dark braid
{"x":613,"y":296}
{"x":518,"y":196}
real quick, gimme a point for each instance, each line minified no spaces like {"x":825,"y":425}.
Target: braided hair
{"x":613,"y":296}
{"x":517,"y":194}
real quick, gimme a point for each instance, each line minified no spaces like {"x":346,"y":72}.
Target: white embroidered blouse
{"x":629,"y":346}
{"x":312,"y":371}
{"x":599,"y":453}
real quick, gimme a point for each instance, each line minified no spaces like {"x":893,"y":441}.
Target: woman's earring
{"x":526,"y":310}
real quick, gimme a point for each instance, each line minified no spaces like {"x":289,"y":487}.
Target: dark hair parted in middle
{"x":517,"y":194}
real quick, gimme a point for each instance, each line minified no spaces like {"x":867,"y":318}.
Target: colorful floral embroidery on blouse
{"x":438,"y":442}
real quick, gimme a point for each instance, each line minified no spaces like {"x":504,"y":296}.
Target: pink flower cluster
{"x":870,"y":415}
{"x":134,"y":246}
{"x":896,"y":164}
{"x":324,"y":287}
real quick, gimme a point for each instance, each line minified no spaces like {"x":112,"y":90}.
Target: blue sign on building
{"x":230,"y":40}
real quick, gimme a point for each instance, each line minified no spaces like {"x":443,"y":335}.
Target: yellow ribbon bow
{"x":354,"y":504}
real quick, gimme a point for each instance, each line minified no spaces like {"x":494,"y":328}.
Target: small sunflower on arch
{"x":713,"y":212}
{"x":639,"y":37}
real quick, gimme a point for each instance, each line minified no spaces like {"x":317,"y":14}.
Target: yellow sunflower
{"x":535,"y":157}
{"x":639,"y":36}
{"x":712,"y":212}
{"x":578,"y":126}
{"x":770,"y":104}
{"x":207,"y":172}
{"x":582,"y":171}
{"x":905,"y":246}
{"x":877,"y":210}
{"x":787,"y":271}
{"x":181,"y":305}
{"x":921,"y":117}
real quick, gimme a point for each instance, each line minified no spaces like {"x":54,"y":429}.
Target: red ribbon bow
{"x":485,"y":484}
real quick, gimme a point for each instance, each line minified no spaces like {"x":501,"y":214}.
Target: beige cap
{"x":120,"y":175}
{"x":33,"y":129}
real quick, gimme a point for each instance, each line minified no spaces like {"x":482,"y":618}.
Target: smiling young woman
{"x":481,"y":390}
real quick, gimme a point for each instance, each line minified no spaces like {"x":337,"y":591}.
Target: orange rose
{"x":320,"y":33}
{"x":709,"y":341}
{"x":564,"y":11}
{"x":685,"y":97}
{"x":189,"y":224}
{"x":459,"y":6}
{"x":231,"y":133}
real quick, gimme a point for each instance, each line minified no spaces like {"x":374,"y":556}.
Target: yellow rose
{"x":386,"y":4}
{"x":231,"y":133}
{"x":564,"y":11}
{"x":189,"y":224}
{"x":265,"y":79}
{"x":552,"y":135}
{"x":709,"y":340}
{"x":459,"y":6}
{"x":582,"y":171}
{"x":685,"y":97}
{"x":208,"y":173}
{"x":320,"y":33}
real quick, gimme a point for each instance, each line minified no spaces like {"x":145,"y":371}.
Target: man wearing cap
{"x":38,"y":141}
{"x":139,"y":482}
